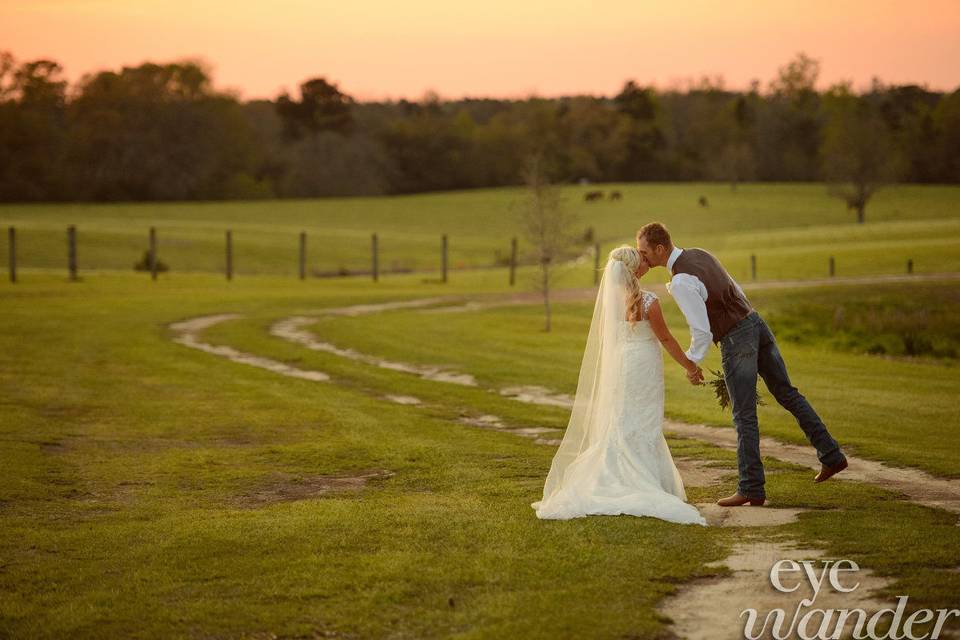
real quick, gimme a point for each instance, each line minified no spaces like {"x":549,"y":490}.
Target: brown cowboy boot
{"x":827,"y":472}
{"x":737,"y":500}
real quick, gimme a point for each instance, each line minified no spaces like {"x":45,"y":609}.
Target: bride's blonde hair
{"x":631,"y":258}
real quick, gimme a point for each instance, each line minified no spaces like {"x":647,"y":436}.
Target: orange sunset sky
{"x":510,"y":48}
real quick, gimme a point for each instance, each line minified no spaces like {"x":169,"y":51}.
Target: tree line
{"x":163,"y":132}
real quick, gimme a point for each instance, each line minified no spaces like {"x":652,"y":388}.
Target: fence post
{"x":910,"y":265}
{"x":229,"y":255}
{"x":153,"y":253}
{"x":513,"y":260}
{"x":374,"y":251}
{"x":444,"y":256}
{"x":72,"y":251}
{"x":303,"y":255}
{"x":12,"y":235}
{"x":833,"y":266}
{"x":596,"y":263}
{"x":753,"y":267}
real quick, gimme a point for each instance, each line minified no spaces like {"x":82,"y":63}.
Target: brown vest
{"x":725,"y":304}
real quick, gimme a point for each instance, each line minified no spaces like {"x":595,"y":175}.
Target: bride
{"x":613,"y":458}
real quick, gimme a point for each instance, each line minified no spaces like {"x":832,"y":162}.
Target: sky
{"x":391,"y":49}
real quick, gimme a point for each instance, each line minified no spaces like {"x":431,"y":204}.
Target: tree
{"x":946,"y":124}
{"x":157,"y":132}
{"x":857,"y":150}
{"x":737,"y":159}
{"x":429,"y":150}
{"x":8,"y":66}
{"x":549,"y":227}
{"x":33,"y":131}
{"x":734,"y":164}
{"x":907,"y":111}
{"x":322,"y":107}
{"x":788,"y":129}
{"x":594,"y":137}
{"x":636,"y":102}
{"x":332,"y":164}
{"x":643,"y":141}
{"x":797,"y":79}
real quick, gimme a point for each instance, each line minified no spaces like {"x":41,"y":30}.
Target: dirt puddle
{"x":494,"y":423}
{"x":187,"y":334}
{"x":291,"y":329}
{"x":378,"y":307}
{"x":287,"y":487}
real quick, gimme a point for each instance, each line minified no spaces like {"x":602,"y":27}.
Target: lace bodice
{"x":647,"y":298}
{"x":639,"y":329}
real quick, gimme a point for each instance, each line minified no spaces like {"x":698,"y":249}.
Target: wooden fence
{"x":72,"y":259}
{"x":152,"y":261}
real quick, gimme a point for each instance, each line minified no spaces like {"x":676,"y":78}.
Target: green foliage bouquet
{"x":720,"y":390}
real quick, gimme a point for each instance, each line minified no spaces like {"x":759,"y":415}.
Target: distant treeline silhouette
{"x":162,"y":132}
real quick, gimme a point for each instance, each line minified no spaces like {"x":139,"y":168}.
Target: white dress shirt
{"x":691,"y":296}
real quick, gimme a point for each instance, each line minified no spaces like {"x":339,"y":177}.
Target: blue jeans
{"x":747,"y":350}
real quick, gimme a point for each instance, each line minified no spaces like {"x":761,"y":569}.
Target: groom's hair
{"x":655,"y":233}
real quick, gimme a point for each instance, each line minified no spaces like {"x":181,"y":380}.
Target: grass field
{"x":129,"y":459}
{"x":148,"y":487}
{"x":792,"y":228}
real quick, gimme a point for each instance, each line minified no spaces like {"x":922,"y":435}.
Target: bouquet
{"x":720,"y":390}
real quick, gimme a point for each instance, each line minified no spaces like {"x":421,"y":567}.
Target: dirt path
{"x":710,"y":609}
{"x":291,"y":329}
{"x":187,"y":333}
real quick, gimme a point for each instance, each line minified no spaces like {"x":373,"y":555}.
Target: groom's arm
{"x":691,"y":295}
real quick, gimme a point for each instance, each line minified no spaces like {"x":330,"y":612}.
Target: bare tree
{"x":858,"y":153}
{"x":547,"y":225}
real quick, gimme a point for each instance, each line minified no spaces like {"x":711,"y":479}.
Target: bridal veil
{"x":592,"y":412}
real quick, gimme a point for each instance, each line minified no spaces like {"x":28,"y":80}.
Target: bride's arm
{"x":660,"y":329}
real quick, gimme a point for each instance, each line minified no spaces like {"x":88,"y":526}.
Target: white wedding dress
{"x":614,"y":458}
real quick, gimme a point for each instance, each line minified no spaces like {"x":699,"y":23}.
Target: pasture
{"x":792,"y":228}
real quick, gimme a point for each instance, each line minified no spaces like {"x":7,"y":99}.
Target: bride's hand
{"x":694,"y":373}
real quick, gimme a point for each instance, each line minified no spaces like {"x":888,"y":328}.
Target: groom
{"x":717,"y":310}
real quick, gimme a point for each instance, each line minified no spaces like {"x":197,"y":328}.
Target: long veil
{"x":592,"y":412}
